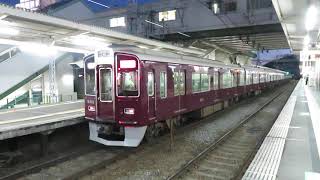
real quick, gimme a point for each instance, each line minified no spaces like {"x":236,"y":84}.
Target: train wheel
{"x":177,"y":122}
{"x":152,"y":132}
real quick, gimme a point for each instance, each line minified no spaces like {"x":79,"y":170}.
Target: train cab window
{"x":90,"y":79}
{"x":128,"y":83}
{"x":105,"y":84}
{"x":163,"y":84}
{"x":196,"y":80}
{"x":150,"y":84}
{"x":204,"y":82}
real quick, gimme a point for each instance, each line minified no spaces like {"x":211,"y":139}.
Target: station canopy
{"x":300,"y":22}
{"x":35,"y":30}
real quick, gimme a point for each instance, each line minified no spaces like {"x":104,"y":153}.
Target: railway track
{"x":229,"y":156}
{"x":49,"y":161}
{"x":78,"y":166}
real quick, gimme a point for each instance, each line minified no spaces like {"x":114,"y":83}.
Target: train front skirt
{"x":133,"y":136}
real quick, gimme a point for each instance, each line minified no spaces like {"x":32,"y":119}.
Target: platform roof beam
{"x":42,"y":28}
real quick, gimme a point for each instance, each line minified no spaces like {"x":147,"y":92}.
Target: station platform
{"x":24,"y":121}
{"x":291,"y":150}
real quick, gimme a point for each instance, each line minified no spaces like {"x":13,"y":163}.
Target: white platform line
{"x":38,"y":107}
{"x":314,"y":115}
{"x":266,"y":162}
{"x":42,"y":116}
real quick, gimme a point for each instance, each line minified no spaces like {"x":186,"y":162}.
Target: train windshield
{"x":90,"y":79}
{"x":128,"y":83}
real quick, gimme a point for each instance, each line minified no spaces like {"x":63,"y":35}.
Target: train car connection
{"x":132,"y":93}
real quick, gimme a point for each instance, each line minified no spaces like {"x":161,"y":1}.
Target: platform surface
{"x":291,"y":149}
{"x":23,"y":121}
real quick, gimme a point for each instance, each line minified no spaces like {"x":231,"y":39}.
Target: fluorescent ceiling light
{"x":38,"y":49}
{"x":9,"y":31}
{"x":306,"y":40}
{"x":84,"y":40}
{"x":311,"y":18}
{"x":153,"y":23}
{"x":143,"y":47}
{"x":215,"y":8}
{"x":58,"y":48}
{"x":99,"y":4}
{"x":3,"y":16}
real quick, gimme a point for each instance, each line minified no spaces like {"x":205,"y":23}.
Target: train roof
{"x":160,"y":56}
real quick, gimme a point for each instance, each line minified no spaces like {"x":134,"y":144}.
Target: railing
{"x":26,"y":101}
{"x":9,"y":53}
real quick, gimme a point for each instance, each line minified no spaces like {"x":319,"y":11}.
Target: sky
{"x":274,"y":54}
{"x":9,"y":2}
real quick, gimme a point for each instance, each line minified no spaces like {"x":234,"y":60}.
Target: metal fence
{"x":26,"y":101}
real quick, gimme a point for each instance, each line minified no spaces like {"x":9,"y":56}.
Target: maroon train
{"x":132,"y":93}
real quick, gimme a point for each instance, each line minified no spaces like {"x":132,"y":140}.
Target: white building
{"x":310,"y":66}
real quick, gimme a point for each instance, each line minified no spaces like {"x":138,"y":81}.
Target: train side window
{"x":211,"y":82}
{"x":150,"y":84}
{"x":234,"y":79}
{"x":196,"y":86}
{"x":216,"y":80}
{"x":242,"y":78}
{"x":163,"y":84}
{"x":227,"y":79}
{"x":255,"y":78}
{"x":221,"y":86}
{"x":176,"y":83}
{"x":248,"y":78}
{"x":261,"y":78}
{"x":179,"y":83}
{"x":182,"y":83}
{"x":204,"y":82}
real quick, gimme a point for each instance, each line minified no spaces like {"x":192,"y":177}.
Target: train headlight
{"x":91,"y":108}
{"x":129,"y":111}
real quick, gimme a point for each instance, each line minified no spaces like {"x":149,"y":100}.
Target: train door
{"x":151,"y":94}
{"x":180,"y":88}
{"x":105,"y":94}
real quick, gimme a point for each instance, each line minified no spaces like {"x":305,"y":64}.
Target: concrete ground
{"x":300,"y":158}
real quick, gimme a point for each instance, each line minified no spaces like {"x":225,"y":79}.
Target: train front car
{"x":112,"y":85}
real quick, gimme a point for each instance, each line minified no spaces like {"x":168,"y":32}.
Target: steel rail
{"x":123,"y":154}
{"x":215,"y":144}
{"x":49,"y":163}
